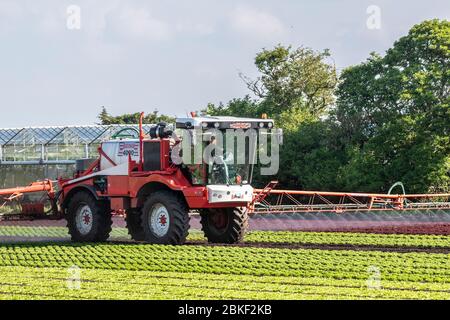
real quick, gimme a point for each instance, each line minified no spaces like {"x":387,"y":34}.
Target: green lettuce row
{"x":394,"y":240}
{"x":32,"y":283}
{"x":390,"y":240}
{"x":418,"y":267}
{"x":48,"y":232}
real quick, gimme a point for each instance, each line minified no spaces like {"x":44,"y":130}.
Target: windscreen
{"x":231,"y":162}
{"x":228,"y":160}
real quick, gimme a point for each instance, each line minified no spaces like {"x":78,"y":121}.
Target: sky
{"x":61,"y":61}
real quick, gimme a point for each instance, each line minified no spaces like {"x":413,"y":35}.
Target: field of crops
{"x":266,"y":237}
{"x":270,"y":265}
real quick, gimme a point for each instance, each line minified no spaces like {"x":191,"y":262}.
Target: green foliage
{"x":133,"y":118}
{"x":245,"y":107}
{"x":308,"y":158}
{"x":136,"y":271}
{"x":394,"y":111}
{"x":290,"y":78}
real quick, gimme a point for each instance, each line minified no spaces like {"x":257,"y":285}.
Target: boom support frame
{"x":295,"y":201}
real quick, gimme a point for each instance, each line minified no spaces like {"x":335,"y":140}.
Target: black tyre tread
{"x":235,"y":232}
{"x":102,"y":215}
{"x":180,"y":212}
{"x":133,"y":222}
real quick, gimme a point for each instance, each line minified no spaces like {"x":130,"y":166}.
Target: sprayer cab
{"x":228,"y":146}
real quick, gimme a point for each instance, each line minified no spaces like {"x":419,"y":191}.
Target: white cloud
{"x":16,"y":15}
{"x":103,"y":53}
{"x":102,"y":19}
{"x":10,"y":9}
{"x":196,"y":29}
{"x":51,"y":22}
{"x":257,"y":23}
{"x":139,"y":23}
{"x":94,"y":17}
{"x":9,"y":12}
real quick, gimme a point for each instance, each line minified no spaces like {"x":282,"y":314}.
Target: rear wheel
{"x":225,"y":225}
{"x":88,"y":219}
{"x":165,"y":219}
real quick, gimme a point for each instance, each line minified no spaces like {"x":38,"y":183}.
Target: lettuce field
{"x":40,"y":263}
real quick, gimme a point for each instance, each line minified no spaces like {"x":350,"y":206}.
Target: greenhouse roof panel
{"x":61,"y":134}
{"x":7,"y":134}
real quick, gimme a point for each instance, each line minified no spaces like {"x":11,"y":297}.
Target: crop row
{"x":413,"y":267}
{"x":56,"y":283}
{"x":332,"y":238}
{"x":391,"y":240}
{"x":48,"y":232}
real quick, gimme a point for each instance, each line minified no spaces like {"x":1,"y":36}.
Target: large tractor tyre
{"x":88,"y":219}
{"x":134,"y":224}
{"x":165,"y":219}
{"x":227,"y":225}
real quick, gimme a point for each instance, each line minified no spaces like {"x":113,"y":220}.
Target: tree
{"x":309,"y":156}
{"x":412,"y":78}
{"x":360,"y":109}
{"x":294,"y":78}
{"x":394,"y":113}
{"x":242,"y":107}
{"x":299,"y":78}
{"x":133,"y":118}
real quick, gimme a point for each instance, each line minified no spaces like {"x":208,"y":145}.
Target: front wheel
{"x":225,"y":225}
{"x":165,"y":219}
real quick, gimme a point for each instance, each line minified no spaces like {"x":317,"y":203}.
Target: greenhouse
{"x":57,"y":145}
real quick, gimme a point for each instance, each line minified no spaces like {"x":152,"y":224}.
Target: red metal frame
{"x":103,"y":154}
{"x":33,"y":210}
{"x":15,"y":193}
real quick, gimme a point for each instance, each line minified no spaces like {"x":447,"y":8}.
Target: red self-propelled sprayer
{"x":138,"y":178}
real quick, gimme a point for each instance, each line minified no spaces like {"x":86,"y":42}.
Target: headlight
{"x":261,"y":124}
{"x":270,"y":124}
{"x":205,"y":124}
{"x":216,"y":125}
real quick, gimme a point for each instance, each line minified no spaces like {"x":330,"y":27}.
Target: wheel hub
{"x":159,"y":220}
{"x":84,"y":219}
